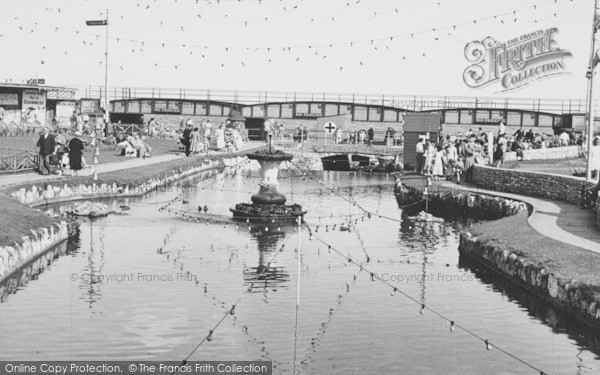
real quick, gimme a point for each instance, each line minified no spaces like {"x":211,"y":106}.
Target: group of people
{"x":447,"y":158}
{"x":56,"y":152}
{"x":196,"y":139}
{"x":130,"y":144}
{"x":273,"y":128}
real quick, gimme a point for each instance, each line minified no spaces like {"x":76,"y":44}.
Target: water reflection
{"x":33,"y":270}
{"x":266,"y":276}
{"x":536,"y":307}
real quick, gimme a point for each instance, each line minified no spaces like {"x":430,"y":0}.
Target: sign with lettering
{"x":308,"y":114}
{"x":64,"y":111}
{"x":34,"y":107}
{"x":514,"y":63}
{"x":90,"y":106}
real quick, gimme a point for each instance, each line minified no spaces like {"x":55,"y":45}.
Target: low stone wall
{"x":56,"y":193}
{"x":568,"y":152}
{"x":459,"y":202}
{"x":545,"y":185}
{"x":14,"y":257}
{"x":573,"y":297}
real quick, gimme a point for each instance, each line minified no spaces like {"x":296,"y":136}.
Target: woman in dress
{"x":75,"y":154}
{"x":196,"y":142}
{"x":438,"y":162}
{"x":220,"y":137}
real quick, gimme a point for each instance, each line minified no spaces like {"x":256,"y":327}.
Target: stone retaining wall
{"x":460,"y":202}
{"x":40,"y":240}
{"x":576,"y":298}
{"x":35,"y":196}
{"x":568,"y":152}
{"x":14,"y":257}
{"x":545,"y":185}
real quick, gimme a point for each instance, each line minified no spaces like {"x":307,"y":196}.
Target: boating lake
{"x":147,"y":285}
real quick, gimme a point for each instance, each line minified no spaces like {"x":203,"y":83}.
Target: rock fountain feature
{"x":268,"y":204}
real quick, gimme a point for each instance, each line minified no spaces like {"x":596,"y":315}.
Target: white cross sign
{"x":330,"y":127}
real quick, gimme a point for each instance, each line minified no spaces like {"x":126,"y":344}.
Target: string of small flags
{"x":453,"y":325}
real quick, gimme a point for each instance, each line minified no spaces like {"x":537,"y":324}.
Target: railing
{"x":321,"y":137}
{"x":14,"y":129}
{"x":404,"y":102}
{"x":12,"y":160}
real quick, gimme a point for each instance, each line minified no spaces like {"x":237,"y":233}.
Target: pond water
{"x":149,"y":285}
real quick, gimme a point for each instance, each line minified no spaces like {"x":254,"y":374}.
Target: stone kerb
{"x":14,"y":257}
{"x":35,"y":196}
{"x":570,"y":295}
{"x":545,"y":185}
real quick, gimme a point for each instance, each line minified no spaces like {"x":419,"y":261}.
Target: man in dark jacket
{"x":371,"y":135}
{"x":46,"y":145}
{"x":185,"y":139}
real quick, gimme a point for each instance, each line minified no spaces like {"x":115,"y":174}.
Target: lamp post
{"x":104,"y":23}
{"x":590,"y":103}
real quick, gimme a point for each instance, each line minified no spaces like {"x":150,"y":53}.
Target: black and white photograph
{"x":295,"y":187}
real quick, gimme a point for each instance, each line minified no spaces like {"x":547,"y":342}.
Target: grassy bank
{"x":131,"y":176}
{"x":17,"y":220}
{"x":566,"y":261}
{"x":159,"y":146}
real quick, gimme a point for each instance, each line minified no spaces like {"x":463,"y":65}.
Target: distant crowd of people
{"x":450,"y":156}
{"x":195,"y":140}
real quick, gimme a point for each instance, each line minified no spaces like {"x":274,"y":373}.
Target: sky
{"x":400,"y":47}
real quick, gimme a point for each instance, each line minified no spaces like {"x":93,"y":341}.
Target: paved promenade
{"x":126,"y":163}
{"x":561,"y":221}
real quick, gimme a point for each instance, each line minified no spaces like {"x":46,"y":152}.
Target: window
{"x":466,"y":117}
{"x":187,"y":108}
{"x":374,"y":114}
{"x":482,"y":116}
{"x":273,"y":110}
{"x":215,"y":110}
{"x":301,"y":108}
{"x":258,"y":111}
{"x":133,"y":106}
{"x":316,"y":109}
{"x":390,"y":115}
{"x":528,"y":119}
{"x":201,"y":109}
{"x":247,"y":111}
{"x":287,"y":110}
{"x":545,"y":120}
{"x":146,"y":106}
{"x":360,"y":113}
{"x":331,"y":109}
{"x":345,"y":109}
{"x":451,"y":117}
{"x":513,"y":118}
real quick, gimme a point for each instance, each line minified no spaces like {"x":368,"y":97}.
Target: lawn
{"x":160,"y":146}
{"x":514,"y":234}
{"x":556,"y":166}
{"x":17,"y":220}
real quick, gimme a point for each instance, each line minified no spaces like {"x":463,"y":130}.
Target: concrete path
{"x":558,"y":220}
{"x":126,"y":163}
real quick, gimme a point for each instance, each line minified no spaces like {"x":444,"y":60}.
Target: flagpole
{"x":106,"y":104}
{"x":590,"y":76}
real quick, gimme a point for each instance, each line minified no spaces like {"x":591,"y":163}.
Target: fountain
{"x":268,"y":204}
